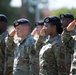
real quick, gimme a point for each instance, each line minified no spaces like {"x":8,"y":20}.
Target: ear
{"x":54,"y":26}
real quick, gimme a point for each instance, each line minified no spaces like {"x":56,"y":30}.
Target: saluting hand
{"x":42,"y":32}
{"x":12,"y":33}
{"x":34,"y":32}
{"x":71,"y":26}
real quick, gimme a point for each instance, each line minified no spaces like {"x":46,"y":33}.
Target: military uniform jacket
{"x":52,"y":58}
{"x":69,"y":43}
{"x":2,"y":51}
{"x":24,"y":56}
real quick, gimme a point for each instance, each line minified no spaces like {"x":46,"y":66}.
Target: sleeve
{"x":39,"y":42}
{"x":68,"y":41}
{"x":2,"y":55}
{"x":66,"y":35}
{"x":60,"y":56}
{"x":10,"y":42}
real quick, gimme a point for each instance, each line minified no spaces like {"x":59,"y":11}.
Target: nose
{"x":44,"y":27}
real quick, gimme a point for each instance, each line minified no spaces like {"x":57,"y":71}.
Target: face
{"x":22,"y":30}
{"x":48,"y":28}
{"x":65,"y":22}
{"x":3,"y":26}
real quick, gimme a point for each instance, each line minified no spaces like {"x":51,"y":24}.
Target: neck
{"x":24,"y":36}
{"x":54,"y":34}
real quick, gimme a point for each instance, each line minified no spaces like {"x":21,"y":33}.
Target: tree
{"x":10,"y":12}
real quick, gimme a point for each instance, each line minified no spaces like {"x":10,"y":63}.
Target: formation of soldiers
{"x":48,"y":50}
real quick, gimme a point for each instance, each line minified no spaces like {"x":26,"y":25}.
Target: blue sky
{"x":53,"y":4}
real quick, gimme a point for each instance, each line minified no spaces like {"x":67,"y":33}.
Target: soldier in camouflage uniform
{"x":6,"y":55}
{"x":38,"y":26}
{"x":3,"y":34}
{"x":35,"y":33}
{"x":24,"y":55}
{"x":52,"y":53}
{"x":38,"y":34}
{"x":67,"y":39}
{"x":70,"y":28}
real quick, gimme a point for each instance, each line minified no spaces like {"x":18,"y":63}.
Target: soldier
{"x":36,"y":32}
{"x":6,"y":55}
{"x":24,"y":55}
{"x":67,"y":40}
{"x":70,"y":28}
{"x":3,"y":34}
{"x":52,"y":53}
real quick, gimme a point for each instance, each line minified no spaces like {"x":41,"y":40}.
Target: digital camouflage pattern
{"x":8,"y":56}
{"x":2,"y":52}
{"x":73,"y":66}
{"x":24,"y":56}
{"x":68,"y":42}
{"x":52,"y":58}
{"x":38,"y":45}
{"x":9,"y":59}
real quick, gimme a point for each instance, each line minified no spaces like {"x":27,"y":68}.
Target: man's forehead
{"x":20,"y":25}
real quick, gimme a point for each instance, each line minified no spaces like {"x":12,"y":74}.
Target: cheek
{"x":19,"y":31}
{"x":48,"y":30}
{"x":64,"y":22}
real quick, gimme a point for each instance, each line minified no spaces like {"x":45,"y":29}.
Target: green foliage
{"x":11,"y":13}
{"x":63,"y":11}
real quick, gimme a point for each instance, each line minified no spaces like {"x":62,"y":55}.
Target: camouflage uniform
{"x":68,"y":42}
{"x":2,"y":51}
{"x":38,"y":45}
{"x":5,"y":56}
{"x":24,"y":56}
{"x":9,"y":60}
{"x":73,"y":64}
{"x":52,"y":58}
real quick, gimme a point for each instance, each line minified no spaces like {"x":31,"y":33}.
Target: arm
{"x":2,"y":57}
{"x":40,"y":39}
{"x":10,"y":40}
{"x":59,"y":53}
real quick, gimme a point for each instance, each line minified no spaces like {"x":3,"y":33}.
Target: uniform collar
{"x":54,"y":38}
{"x":21,"y":41}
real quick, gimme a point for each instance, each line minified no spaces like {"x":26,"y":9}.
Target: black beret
{"x":21,"y":21}
{"x":3,"y":18}
{"x":51,"y":19}
{"x":68,"y":15}
{"x":40,"y":23}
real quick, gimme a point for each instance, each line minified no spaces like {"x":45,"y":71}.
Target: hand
{"x":42,"y":32}
{"x":12,"y":33}
{"x":71,"y":26}
{"x":34,"y":32}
